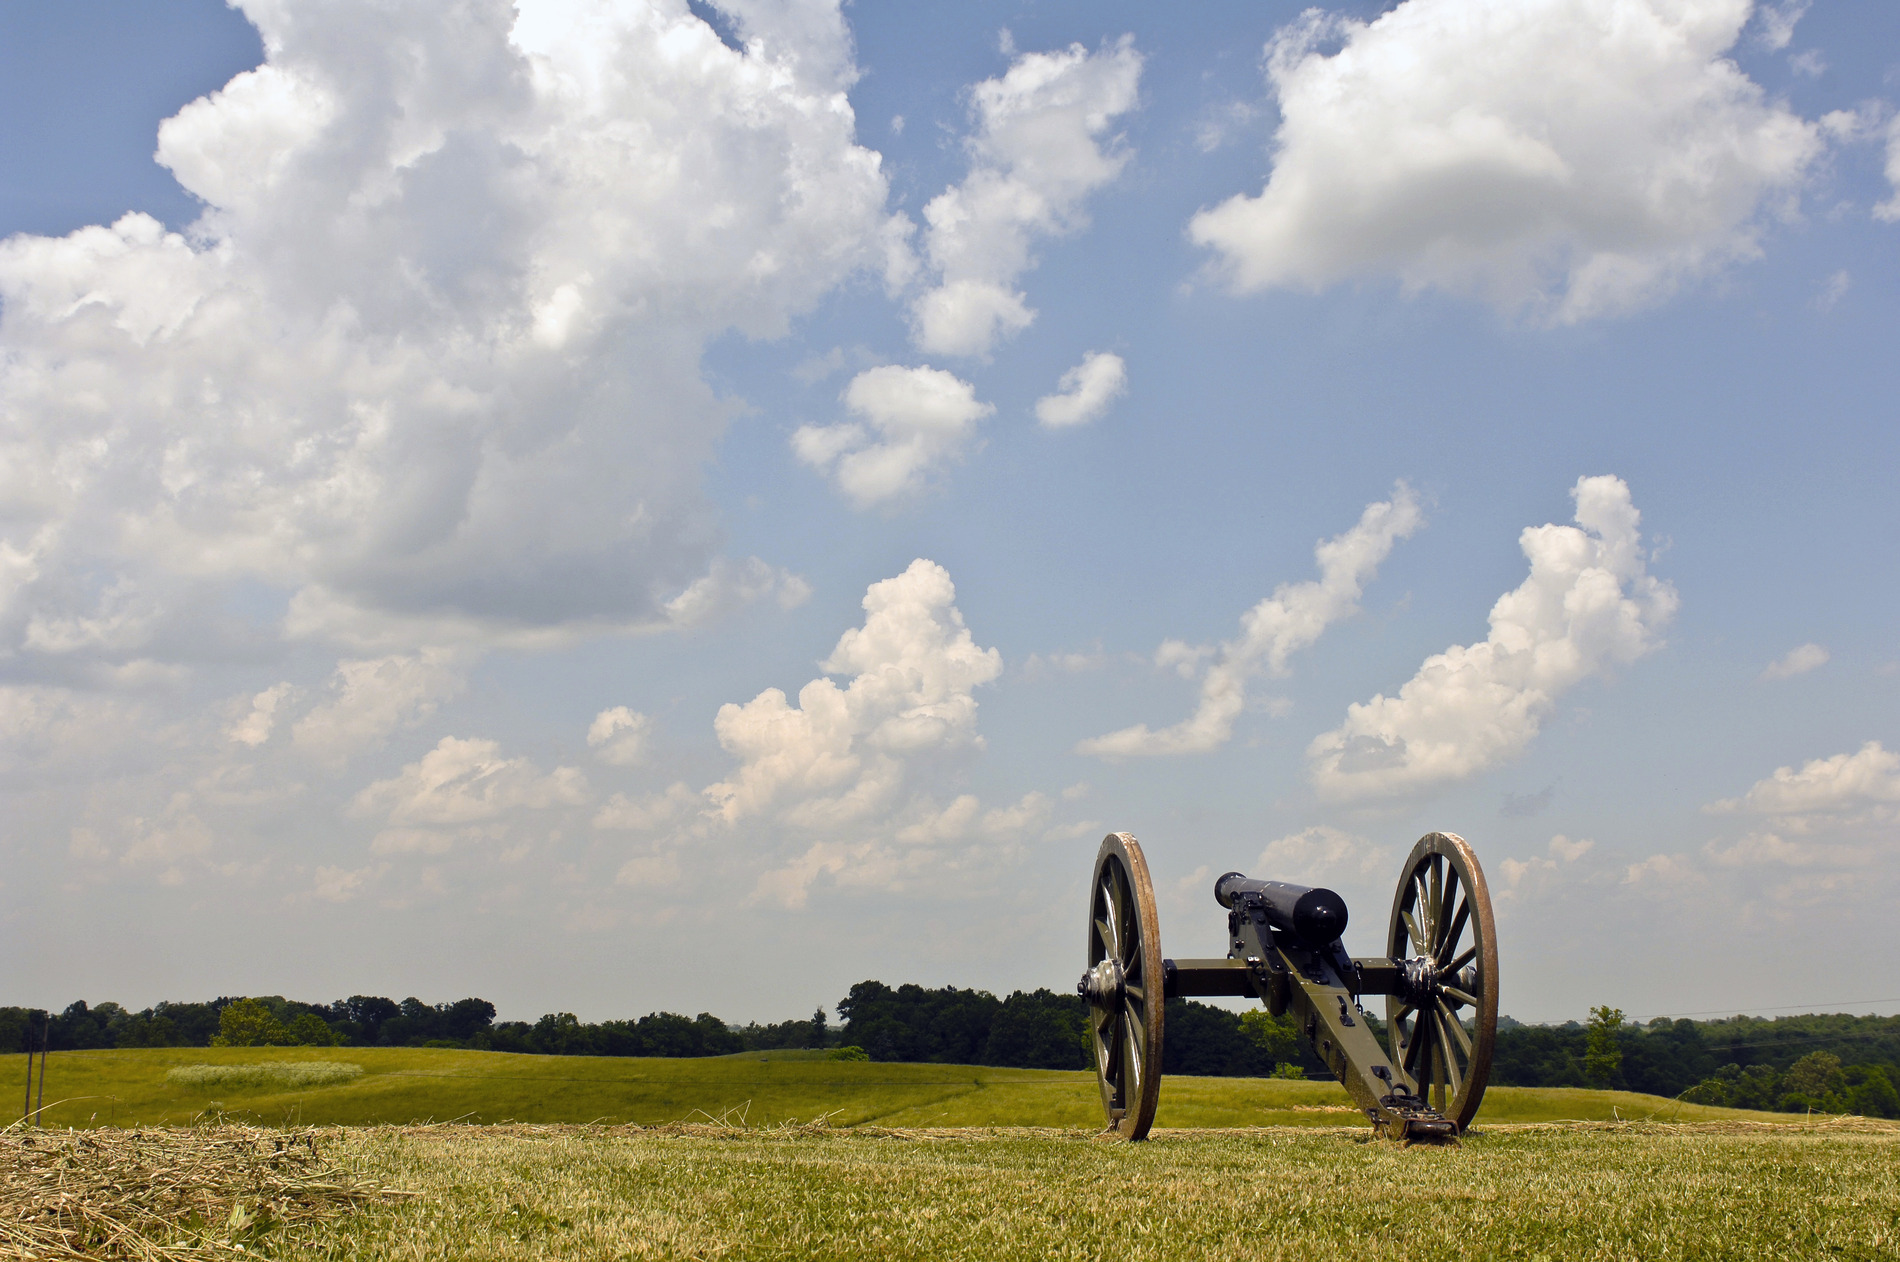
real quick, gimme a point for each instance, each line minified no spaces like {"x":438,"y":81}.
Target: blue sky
{"x":425,"y":446}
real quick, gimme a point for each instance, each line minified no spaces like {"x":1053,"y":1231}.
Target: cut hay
{"x":165,"y":1194}
{"x":294,"y":1073}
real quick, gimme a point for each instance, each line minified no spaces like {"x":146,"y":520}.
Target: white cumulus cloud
{"x":253,"y":726}
{"x":1778,"y":23}
{"x":914,"y":419}
{"x":1085,"y":391}
{"x":1540,"y":870}
{"x":1292,"y":618}
{"x":465,"y":782}
{"x":370,"y":698}
{"x":428,"y":363}
{"x":1565,"y":158}
{"x":1589,"y":604}
{"x":1868,"y":777}
{"x":1796,"y":661}
{"x":1323,"y":854}
{"x":1825,"y":828}
{"x":1889,"y":210}
{"x":1042,"y":142}
{"x":845,"y":787}
{"x":839,"y":753}
{"x":619,"y":736}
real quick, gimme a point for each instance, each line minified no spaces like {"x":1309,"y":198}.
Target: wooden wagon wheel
{"x":1443,"y":932}
{"x":1123,"y":986}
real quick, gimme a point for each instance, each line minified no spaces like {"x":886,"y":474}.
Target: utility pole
{"x":46,"y":1031}
{"x":26,"y":1040}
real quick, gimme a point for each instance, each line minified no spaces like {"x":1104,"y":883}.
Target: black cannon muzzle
{"x":1317,"y":917}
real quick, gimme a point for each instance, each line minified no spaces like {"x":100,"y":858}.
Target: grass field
{"x":174,"y":1086}
{"x":1643,"y":1190}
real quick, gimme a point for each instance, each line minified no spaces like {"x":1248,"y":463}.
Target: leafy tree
{"x":1603,"y":1057}
{"x":1277,"y":1038}
{"x":1713,"y":1091}
{"x":1205,"y":1040}
{"x":367,"y":1013}
{"x":1814,"y":1075}
{"x":1871,"y":1093}
{"x":1039,"y":1030}
{"x":307,"y":1029}
{"x":820,"y":1029}
{"x":250,"y":1023}
{"x":466,"y":1018}
{"x":910,"y":1023}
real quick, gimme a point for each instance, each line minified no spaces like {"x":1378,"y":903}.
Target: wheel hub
{"x":1102,"y":985}
{"x":1421,"y":978}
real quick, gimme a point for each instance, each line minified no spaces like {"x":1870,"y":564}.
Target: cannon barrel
{"x":1317,"y":917}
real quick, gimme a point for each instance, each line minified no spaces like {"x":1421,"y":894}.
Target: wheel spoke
{"x":1445,"y":1063}
{"x":1444,"y":919}
{"x":1454,"y":930}
{"x":1470,"y":1001}
{"x":1455,"y":1028}
{"x":1463,"y":958}
{"x":1419,"y":1041}
{"x":1117,"y":908}
{"x":1135,"y":992}
{"x":1436,"y":906}
{"x":1107,"y":936}
{"x":1133,"y":1036}
{"x":1418,"y":939}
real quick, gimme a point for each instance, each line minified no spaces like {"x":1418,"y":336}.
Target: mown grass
{"x":1589,"y":1191}
{"x":161,"y":1086}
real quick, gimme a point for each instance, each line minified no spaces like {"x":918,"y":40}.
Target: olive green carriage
{"x":1439,"y":977}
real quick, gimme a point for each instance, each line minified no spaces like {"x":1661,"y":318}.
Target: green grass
{"x":159,"y":1086}
{"x":1582,"y":1191}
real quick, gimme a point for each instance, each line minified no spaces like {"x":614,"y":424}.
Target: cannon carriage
{"x":1438,"y":977}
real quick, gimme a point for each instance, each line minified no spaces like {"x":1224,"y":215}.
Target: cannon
{"x":1439,"y":977}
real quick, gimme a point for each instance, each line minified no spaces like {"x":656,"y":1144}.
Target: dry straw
{"x":160,"y":1195}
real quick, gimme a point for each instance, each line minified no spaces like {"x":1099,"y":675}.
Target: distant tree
{"x":250,"y":1023}
{"x":367,"y":1013}
{"x":19,"y":1029}
{"x":1603,"y":1055}
{"x":1039,"y":1030}
{"x":307,"y":1029}
{"x":1712,"y":1091}
{"x":1208,"y":1041}
{"x":1816,"y":1084}
{"x":1814,"y":1075}
{"x":466,"y":1018}
{"x":910,"y":1023}
{"x":1277,"y":1038}
{"x":820,"y":1029}
{"x":1872,"y":1093}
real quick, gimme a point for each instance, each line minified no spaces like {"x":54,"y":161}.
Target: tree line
{"x":1827,"y":1063}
